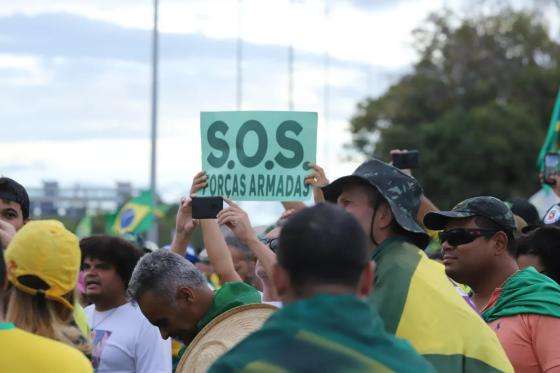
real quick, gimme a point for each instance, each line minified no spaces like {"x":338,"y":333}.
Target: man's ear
{"x":186,"y":294}
{"x":365,"y":286}
{"x":384,"y":216}
{"x":500,"y":243}
{"x":280,"y":280}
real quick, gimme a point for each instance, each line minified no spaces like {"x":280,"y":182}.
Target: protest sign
{"x":258,"y":155}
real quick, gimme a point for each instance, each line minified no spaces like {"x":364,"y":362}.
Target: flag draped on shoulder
{"x":417,"y":302}
{"x":550,"y":144}
{"x":136,"y":216}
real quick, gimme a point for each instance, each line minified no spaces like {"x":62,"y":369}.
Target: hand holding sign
{"x":317,"y":179}
{"x":200,"y":181}
{"x":258,"y":156}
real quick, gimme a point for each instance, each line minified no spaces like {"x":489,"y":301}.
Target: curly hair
{"x":122,"y":254}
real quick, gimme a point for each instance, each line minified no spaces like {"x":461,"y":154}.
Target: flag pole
{"x":153,"y":232}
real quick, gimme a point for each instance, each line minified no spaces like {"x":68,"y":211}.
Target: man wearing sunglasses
{"x":522,"y":306}
{"x":414,"y":298}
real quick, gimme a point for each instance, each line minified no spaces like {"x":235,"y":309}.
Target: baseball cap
{"x":10,"y":190}
{"x":401,"y":191}
{"x":44,"y":250}
{"x":491,"y":208}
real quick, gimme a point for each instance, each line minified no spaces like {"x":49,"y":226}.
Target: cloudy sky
{"x":75,"y":78}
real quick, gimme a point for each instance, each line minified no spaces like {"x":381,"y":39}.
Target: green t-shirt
{"x":230,"y":295}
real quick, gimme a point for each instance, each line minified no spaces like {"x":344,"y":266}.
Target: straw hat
{"x":221,"y":334}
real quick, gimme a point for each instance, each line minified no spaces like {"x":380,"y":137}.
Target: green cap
{"x":401,"y":191}
{"x":489,"y":207}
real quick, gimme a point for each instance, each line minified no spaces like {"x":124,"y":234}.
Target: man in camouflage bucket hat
{"x":415,"y":299}
{"x":522,"y":306}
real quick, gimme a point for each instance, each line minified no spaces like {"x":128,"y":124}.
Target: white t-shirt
{"x":124,"y":341}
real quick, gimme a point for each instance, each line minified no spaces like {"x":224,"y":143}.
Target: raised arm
{"x":218,"y":252}
{"x":184,"y":223}
{"x":317,"y":180}
{"x":236,"y":219}
{"x":184,"y":227}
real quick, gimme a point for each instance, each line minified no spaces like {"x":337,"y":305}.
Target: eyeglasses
{"x":272,"y":243}
{"x":461,"y":236}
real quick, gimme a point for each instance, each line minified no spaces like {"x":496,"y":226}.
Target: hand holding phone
{"x":551,"y":168}
{"x":405,"y":160}
{"x":206,"y":207}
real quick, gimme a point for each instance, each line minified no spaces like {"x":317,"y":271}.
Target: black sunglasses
{"x":272,"y":243}
{"x":461,"y":236}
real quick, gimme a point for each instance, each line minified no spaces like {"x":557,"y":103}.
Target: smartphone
{"x":406,"y":160}
{"x":551,"y":165}
{"x":206,"y":207}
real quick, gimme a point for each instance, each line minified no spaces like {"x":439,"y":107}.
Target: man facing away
{"x":522,"y":306}
{"x":123,"y":340}
{"x":323,"y":270}
{"x":415,"y":299}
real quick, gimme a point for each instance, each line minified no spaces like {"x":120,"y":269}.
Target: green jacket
{"x":330,"y":333}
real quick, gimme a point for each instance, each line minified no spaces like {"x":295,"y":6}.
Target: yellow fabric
{"x":44,"y":248}
{"x":81,"y":320}
{"x":328,"y":344}
{"x":437,"y":335}
{"x":25,"y":352}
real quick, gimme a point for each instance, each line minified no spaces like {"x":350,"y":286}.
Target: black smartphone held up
{"x":551,"y":166}
{"x":206,"y":207}
{"x":405,"y":160}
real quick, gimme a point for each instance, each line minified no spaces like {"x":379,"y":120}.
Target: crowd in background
{"x":373,"y":277}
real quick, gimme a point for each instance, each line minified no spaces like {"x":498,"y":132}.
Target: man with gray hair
{"x":173,"y":295}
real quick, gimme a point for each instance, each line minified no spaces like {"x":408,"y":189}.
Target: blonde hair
{"x":46,"y":318}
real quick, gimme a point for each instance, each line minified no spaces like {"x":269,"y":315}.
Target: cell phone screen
{"x":206,"y":207}
{"x":551,"y":165}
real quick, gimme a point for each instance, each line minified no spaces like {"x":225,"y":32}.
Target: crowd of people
{"x":372,"y":278}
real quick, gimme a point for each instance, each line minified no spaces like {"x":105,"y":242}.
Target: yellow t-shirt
{"x":25,"y":352}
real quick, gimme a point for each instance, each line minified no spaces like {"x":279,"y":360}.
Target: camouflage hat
{"x":489,"y":207}
{"x":401,"y":191}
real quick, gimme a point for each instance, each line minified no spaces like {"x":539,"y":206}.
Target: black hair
{"x":2,"y":273}
{"x":233,"y":241}
{"x":114,"y":250}
{"x":323,"y":245}
{"x":544,"y":243}
{"x":485,"y":223}
{"x":11,"y":190}
{"x":526,"y":210}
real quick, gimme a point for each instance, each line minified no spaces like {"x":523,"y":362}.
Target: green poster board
{"x":258,"y":155}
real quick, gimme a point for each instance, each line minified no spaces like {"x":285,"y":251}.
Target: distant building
{"x":76,"y":201}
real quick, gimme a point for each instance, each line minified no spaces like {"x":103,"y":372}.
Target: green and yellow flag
{"x":550,"y":144}
{"x":84,"y":227}
{"x":136,"y":216}
{"x":417,"y":302}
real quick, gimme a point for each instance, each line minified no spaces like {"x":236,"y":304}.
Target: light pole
{"x":153,"y":232}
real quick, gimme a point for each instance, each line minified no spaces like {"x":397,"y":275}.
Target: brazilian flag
{"x":84,"y":227}
{"x":550,"y":144}
{"x":136,"y":216}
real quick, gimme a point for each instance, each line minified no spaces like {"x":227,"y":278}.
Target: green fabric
{"x":339,"y":333}
{"x":385,"y":285}
{"x":526,"y":292}
{"x":230,"y":295}
{"x":7,"y":326}
{"x":449,"y":363}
